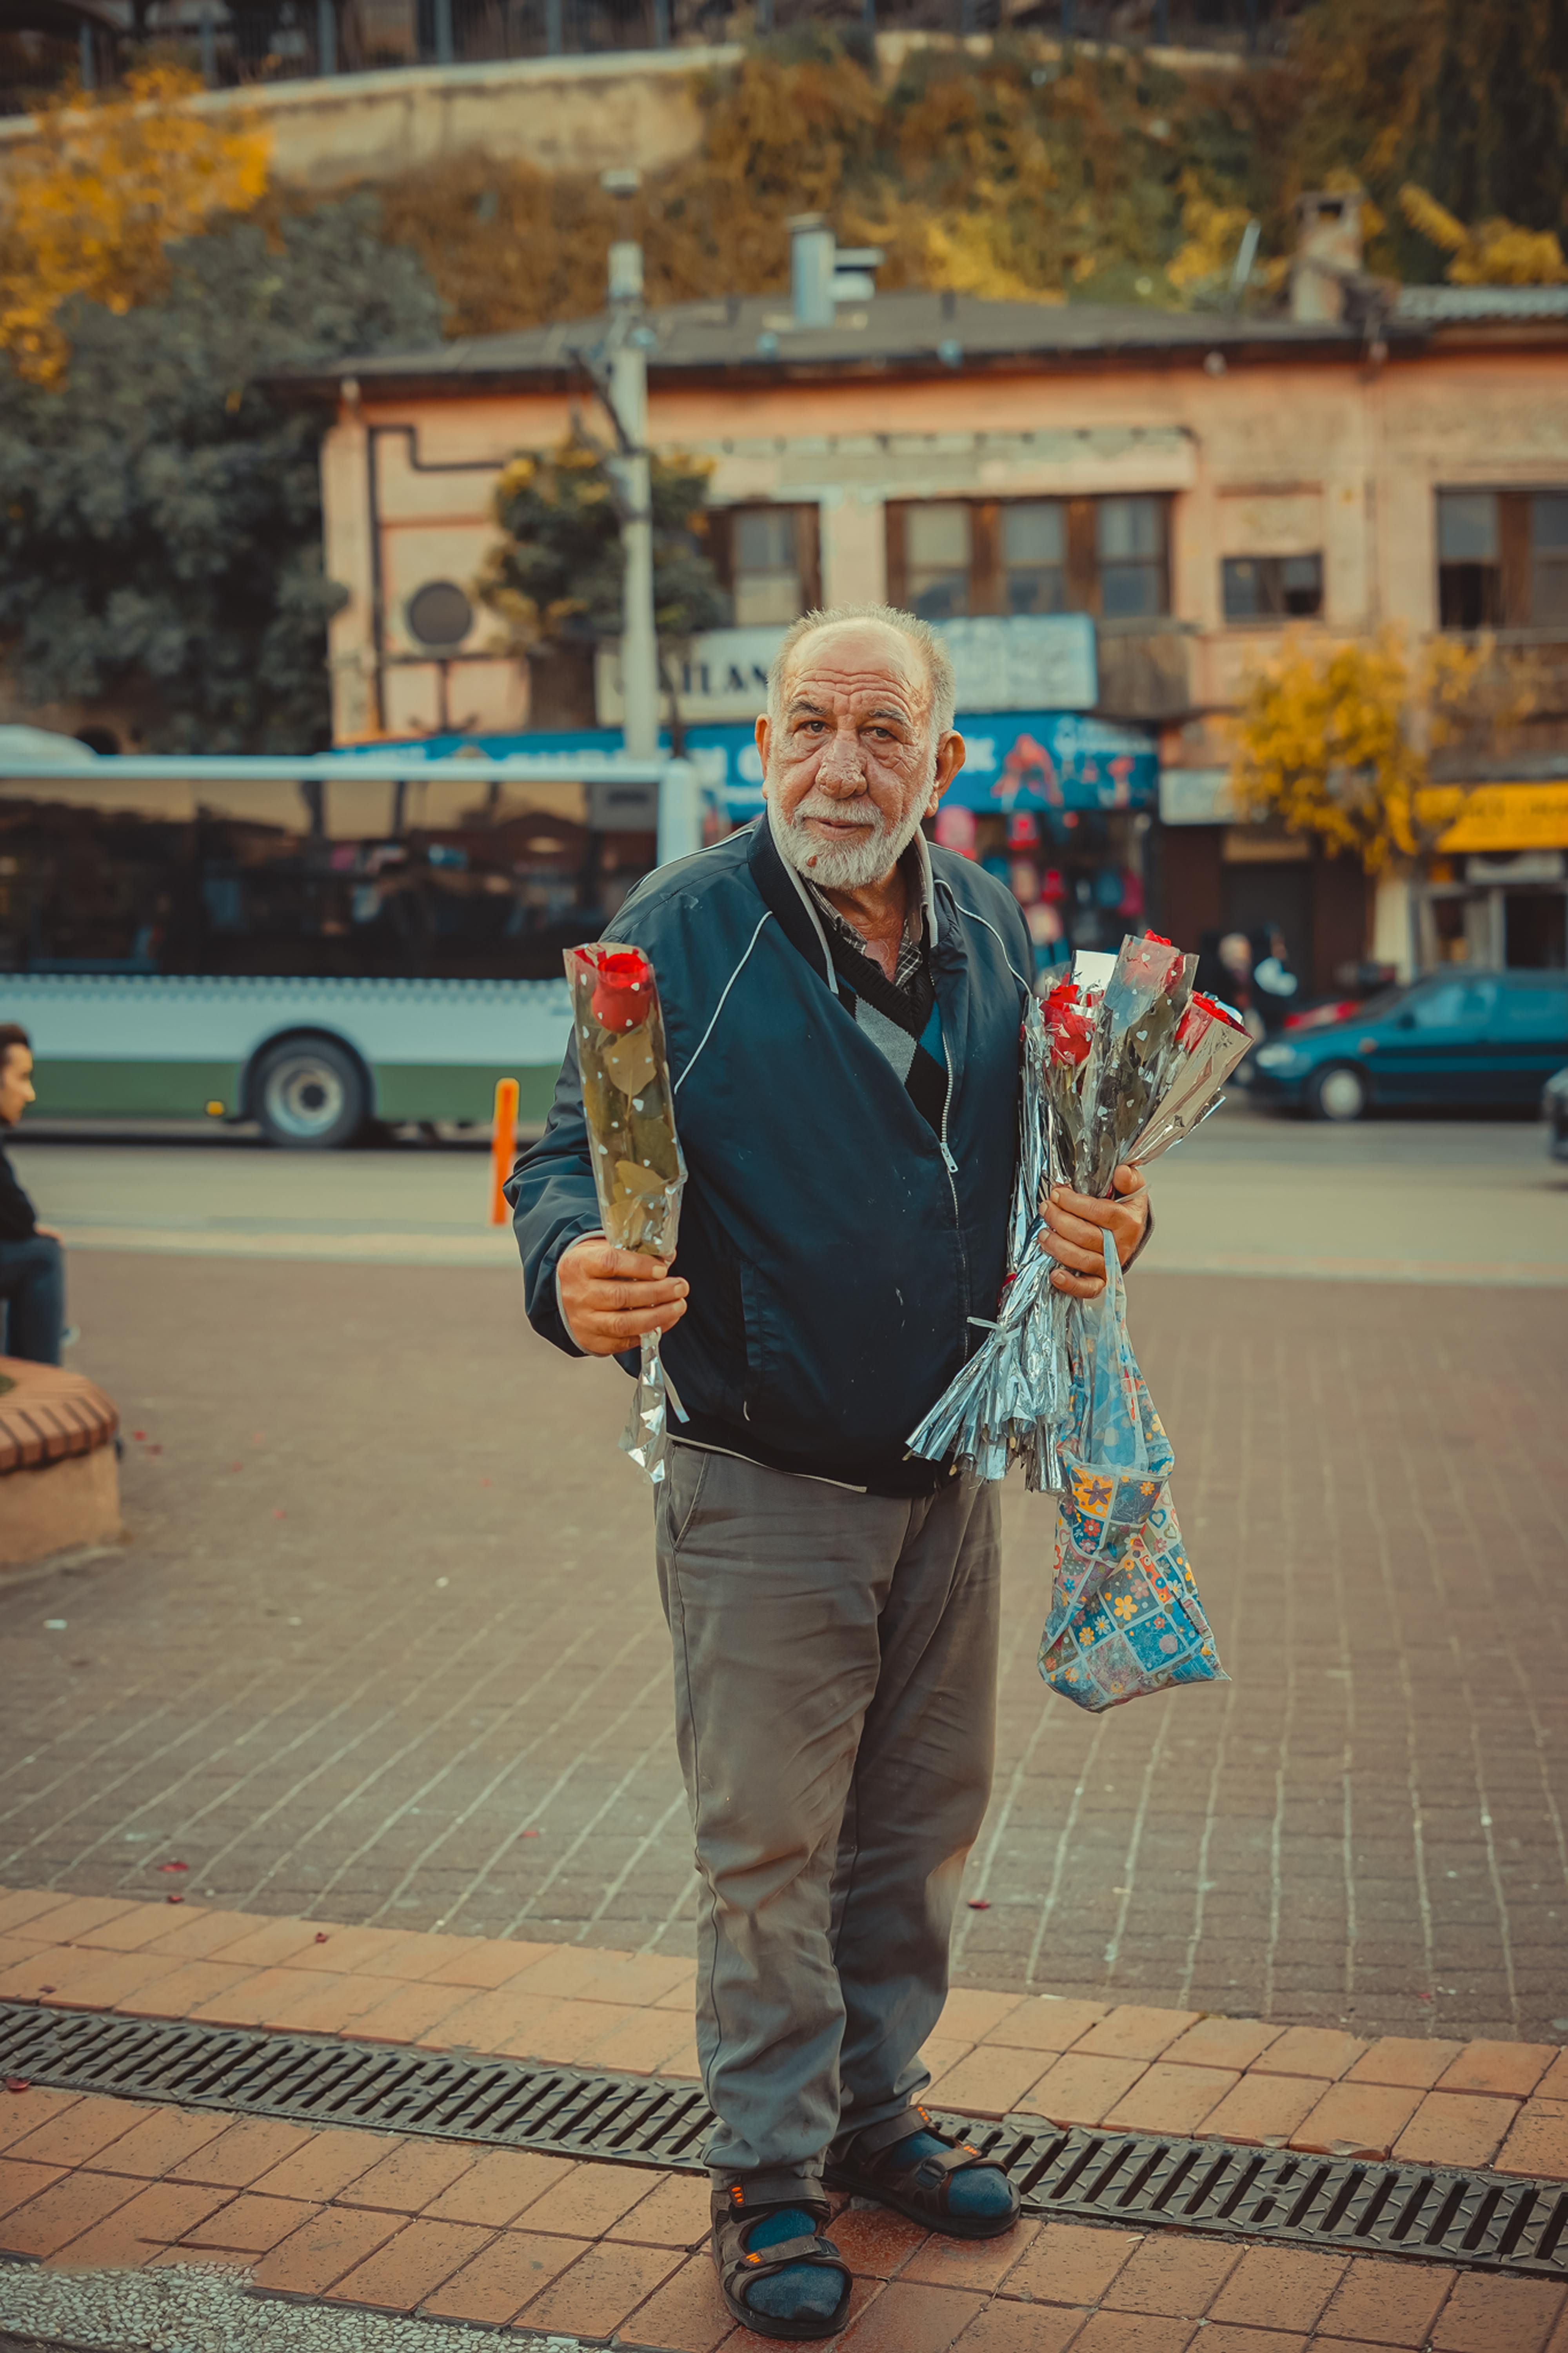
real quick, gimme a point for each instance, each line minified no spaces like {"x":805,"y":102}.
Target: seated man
{"x":32,"y":1258}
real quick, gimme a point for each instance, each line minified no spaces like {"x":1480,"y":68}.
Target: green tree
{"x":159,"y":512}
{"x":555,"y":574}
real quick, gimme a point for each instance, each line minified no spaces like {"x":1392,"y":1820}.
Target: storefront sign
{"x":1024,"y":661}
{"x":723,"y":675}
{"x":1499,"y":817}
{"x":1053,"y":760}
{"x":1019,"y":661}
{"x":1023,"y":760}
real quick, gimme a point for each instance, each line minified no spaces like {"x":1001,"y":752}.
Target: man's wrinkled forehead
{"x":861,"y":661}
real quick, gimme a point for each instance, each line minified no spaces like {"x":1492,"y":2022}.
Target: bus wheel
{"x":309,"y":1096}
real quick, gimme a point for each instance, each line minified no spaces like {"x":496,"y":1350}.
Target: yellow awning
{"x":1499,"y":817}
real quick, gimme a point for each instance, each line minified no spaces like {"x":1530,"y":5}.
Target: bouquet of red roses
{"x":1121,"y":1063}
{"x":638,"y":1171}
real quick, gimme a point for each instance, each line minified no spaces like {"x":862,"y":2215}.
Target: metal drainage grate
{"x":1145,"y":2180}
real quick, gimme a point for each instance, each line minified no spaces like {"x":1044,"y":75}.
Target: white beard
{"x":849,"y":865}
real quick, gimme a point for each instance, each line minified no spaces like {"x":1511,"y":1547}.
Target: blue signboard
{"x":1014,"y":760}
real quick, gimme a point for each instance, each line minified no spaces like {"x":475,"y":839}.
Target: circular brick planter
{"x":59,"y":1483}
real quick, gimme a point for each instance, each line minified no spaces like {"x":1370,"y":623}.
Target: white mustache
{"x":862,"y":813}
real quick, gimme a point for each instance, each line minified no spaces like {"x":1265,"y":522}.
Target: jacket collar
{"x":786,"y":896}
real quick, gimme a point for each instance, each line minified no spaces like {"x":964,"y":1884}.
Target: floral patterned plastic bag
{"x":1125,"y":1618}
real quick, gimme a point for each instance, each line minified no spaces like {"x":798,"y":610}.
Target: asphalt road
{"x":1388,"y":1200}
{"x":384,"y":1642}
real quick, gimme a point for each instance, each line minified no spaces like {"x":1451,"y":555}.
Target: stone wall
{"x":562,"y":114}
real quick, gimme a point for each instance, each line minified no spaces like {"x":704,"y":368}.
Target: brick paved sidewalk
{"x":614,"y":2253}
{"x":386,"y":1647}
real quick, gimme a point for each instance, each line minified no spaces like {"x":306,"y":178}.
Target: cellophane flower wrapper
{"x":639,"y":1170}
{"x":1110,"y":1073}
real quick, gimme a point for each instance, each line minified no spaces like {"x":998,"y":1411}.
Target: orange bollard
{"x":504,"y":1146}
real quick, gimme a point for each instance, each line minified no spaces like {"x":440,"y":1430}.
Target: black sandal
{"x":862,"y":2165}
{"x":732,"y":2218}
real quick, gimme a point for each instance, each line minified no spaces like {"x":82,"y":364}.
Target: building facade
{"x":1182,"y":489}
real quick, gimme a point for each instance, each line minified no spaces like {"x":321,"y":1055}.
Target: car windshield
{"x":1372,"y":1008}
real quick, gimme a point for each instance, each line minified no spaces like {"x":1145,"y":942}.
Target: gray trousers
{"x":836,"y":1703}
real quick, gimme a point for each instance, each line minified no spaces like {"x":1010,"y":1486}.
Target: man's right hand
{"x":610,"y":1297}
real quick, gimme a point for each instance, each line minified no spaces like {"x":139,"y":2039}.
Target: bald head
{"x":918,"y":643}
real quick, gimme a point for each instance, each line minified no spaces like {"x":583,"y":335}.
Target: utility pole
{"x":627,"y":398}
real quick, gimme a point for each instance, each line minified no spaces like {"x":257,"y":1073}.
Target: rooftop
{"x":1440,"y":304}
{"x":757,"y":339}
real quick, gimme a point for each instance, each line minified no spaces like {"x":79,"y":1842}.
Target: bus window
{"x":436,"y":878}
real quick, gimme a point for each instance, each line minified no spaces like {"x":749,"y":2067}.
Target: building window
{"x":1470,"y":559}
{"x":1502,"y":559}
{"x":1129,"y":536}
{"x":1272,"y":588}
{"x":1034,"y":553}
{"x":952,"y":557}
{"x":1549,"y":558}
{"x":939,"y":559}
{"x":767,"y":559}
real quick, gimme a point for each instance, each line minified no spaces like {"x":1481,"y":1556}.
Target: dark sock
{"x":799,"y":2288}
{"x":978,"y":2190}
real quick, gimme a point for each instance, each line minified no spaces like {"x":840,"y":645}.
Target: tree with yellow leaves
{"x":1494,"y":253}
{"x":1336,"y":741}
{"x":92,"y":203}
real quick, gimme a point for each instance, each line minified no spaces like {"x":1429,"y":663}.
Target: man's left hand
{"x":1075,"y":1224}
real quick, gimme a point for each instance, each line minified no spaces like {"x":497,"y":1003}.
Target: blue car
{"x":1452,"y":1040}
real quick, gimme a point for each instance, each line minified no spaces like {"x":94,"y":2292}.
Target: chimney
{"x":1327,"y":256}
{"x":811,"y":257}
{"x":822,"y":274}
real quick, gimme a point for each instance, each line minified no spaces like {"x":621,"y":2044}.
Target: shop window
{"x":1272,"y":588}
{"x":1107,"y":556}
{"x":1502,"y":559}
{"x":767,"y":559}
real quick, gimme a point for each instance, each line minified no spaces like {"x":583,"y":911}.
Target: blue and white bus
{"x":313,"y":944}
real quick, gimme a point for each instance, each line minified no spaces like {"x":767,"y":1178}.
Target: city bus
{"x":313,"y":944}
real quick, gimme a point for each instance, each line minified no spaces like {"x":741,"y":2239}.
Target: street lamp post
{"x":628,"y":395}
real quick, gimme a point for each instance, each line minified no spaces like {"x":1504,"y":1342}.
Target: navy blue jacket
{"x":835,"y":1246}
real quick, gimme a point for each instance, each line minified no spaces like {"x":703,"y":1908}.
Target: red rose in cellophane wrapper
{"x":1121,"y":1062}
{"x":638,"y":1171}
{"x":622,"y":989}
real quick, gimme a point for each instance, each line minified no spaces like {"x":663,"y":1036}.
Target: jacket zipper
{"x":951,"y":1165}
{"x":948,"y":1162}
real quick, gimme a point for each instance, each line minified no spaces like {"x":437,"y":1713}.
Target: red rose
{"x":623,"y":991}
{"x":1072,"y":1037}
{"x":1154,"y":963}
{"x":1201,"y":1015}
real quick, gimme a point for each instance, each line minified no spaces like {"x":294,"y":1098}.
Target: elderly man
{"x":842,"y":1006}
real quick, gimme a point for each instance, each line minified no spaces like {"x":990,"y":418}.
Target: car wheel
{"x":310,"y":1095}
{"x":1340,"y":1092}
